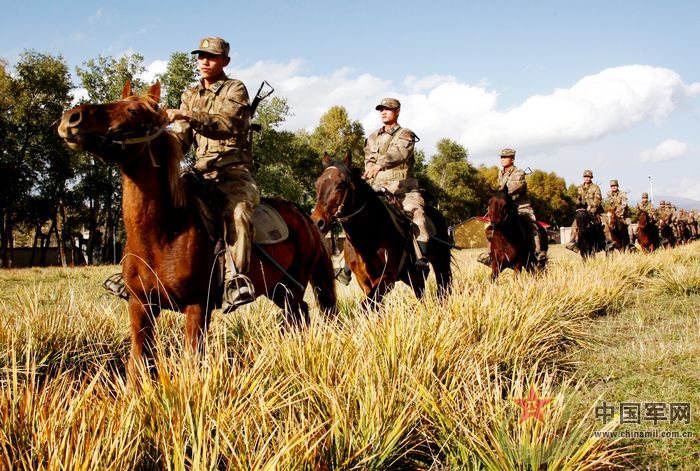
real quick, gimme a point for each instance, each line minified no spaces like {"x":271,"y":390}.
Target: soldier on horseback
{"x":389,"y":165}
{"x":512,"y":179}
{"x":617,"y":200}
{"x":215,"y":117}
{"x":589,"y":195}
{"x":646,"y":205}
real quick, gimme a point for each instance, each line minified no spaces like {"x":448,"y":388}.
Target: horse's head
{"x":501,"y":206}
{"x":612,"y":216}
{"x":334,"y":191}
{"x":642,"y":218}
{"x":106,"y":130}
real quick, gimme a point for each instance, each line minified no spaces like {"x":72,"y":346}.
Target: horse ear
{"x":126,"y":91}
{"x":154,"y":91}
{"x":347,"y":160}
{"x":326,"y":160}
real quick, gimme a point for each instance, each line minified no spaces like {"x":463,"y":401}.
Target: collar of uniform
{"x":394,"y":128}
{"x":216,"y":86}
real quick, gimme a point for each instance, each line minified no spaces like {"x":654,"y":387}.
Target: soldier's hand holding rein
{"x":176,"y":114}
{"x":371,"y":171}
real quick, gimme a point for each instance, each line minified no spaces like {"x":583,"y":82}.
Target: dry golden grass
{"x":416,"y":385}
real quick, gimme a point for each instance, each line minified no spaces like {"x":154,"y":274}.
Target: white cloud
{"x":100,"y":16}
{"x":436,"y":106}
{"x":667,"y":150}
{"x":153,"y":69}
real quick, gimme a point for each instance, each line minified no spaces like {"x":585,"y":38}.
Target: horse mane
{"x":355,"y":174}
{"x":172,"y":154}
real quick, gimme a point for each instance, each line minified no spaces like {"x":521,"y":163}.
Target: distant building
{"x":471,"y":234}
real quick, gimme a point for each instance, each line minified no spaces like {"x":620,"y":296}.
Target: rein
{"x":145,"y":139}
{"x":337,"y":215}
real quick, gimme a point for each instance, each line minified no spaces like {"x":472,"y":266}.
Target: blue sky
{"x":612,"y":86}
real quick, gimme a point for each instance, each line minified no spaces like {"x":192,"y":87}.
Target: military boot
{"x":238,"y":291}
{"x":572,"y":245}
{"x":344,"y":275}
{"x":484,"y":258}
{"x":422,"y":264}
{"x":115,"y":286}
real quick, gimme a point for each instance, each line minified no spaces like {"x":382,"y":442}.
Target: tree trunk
{"x":45,"y":245}
{"x":6,"y":241}
{"x":60,"y":241}
{"x":37,"y":238}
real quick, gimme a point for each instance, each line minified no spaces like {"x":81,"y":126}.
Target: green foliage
{"x":104,"y":77}
{"x":550,"y":198}
{"x":33,"y":161}
{"x":286,"y":165}
{"x":337,"y":135}
{"x":458,"y":188}
{"x":179,"y":75}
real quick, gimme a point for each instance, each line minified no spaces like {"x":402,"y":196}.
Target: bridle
{"x":137,"y":136}
{"x":337,"y":216}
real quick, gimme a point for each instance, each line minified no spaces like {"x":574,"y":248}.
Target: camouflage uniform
{"x":618,"y":201}
{"x":646,"y":205}
{"x":220,"y":131}
{"x":590,"y":195}
{"x":513,"y":178}
{"x":393,"y":151}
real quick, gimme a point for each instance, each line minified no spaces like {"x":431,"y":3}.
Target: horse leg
{"x":196,"y":326}
{"x":142,"y":317}
{"x":376,"y":294}
{"x":291,"y":301}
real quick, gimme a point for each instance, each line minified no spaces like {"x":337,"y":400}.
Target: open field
{"x":429,"y":385}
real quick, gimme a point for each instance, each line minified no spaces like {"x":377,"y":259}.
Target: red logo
{"x":532,"y":406}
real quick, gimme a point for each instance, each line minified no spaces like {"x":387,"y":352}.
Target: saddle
{"x":270,"y":227}
{"x":401,"y":220}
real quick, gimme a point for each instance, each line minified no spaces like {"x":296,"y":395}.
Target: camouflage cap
{"x":508,"y":153}
{"x":389,"y":103}
{"x":662,"y":202}
{"x":645,"y":195}
{"x":613,"y":183}
{"x":216,"y":46}
{"x":588,"y":173}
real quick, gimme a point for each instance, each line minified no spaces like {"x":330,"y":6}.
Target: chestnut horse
{"x":591,"y":238}
{"x":375,"y":249}
{"x":647,"y":232}
{"x":170,"y":257}
{"x":510,"y":237}
{"x":618,"y":231}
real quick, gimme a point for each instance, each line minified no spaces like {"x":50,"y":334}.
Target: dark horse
{"x":377,"y":251}
{"x":591,"y":238}
{"x":647,"y":232}
{"x":618,"y":231}
{"x":170,"y":256}
{"x":511,"y":237}
{"x":668,"y":238}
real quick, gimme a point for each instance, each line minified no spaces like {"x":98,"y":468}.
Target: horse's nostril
{"x":321,"y":224}
{"x":75,"y":118}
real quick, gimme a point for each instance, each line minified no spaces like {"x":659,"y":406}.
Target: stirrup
{"x":342,"y":276}
{"x":114,"y":284}
{"x":422,"y":265}
{"x":238,"y":291}
{"x":484,"y":258}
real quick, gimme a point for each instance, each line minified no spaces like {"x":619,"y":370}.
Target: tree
{"x":100,"y":185}
{"x":337,"y":135}
{"x":180,"y":74}
{"x":461,"y":190}
{"x":550,"y":198}
{"x":34,"y":160}
{"x":287,"y":165}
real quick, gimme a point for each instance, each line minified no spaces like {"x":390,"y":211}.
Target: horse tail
{"x":441,"y":252}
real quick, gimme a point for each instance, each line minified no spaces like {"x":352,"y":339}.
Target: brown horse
{"x":618,"y":231}
{"x":170,"y":257}
{"x":377,"y":251}
{"x":647,"y":232}
{"x":510,"y":237}
{"x":668,"y":238}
